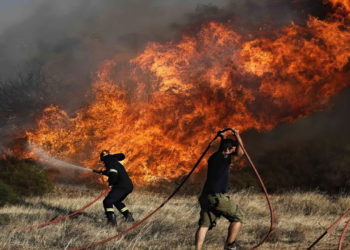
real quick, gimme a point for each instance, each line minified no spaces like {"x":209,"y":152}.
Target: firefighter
{"x":121,"y":185}
{"x":214,"y":201}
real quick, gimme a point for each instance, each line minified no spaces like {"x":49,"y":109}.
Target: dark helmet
{"x":103,"y":154}
{"x":227,"y":143}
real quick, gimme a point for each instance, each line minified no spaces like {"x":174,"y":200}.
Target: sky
{"x":14,"y":11}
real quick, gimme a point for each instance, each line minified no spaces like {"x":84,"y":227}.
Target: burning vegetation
{"x":160,"y":106}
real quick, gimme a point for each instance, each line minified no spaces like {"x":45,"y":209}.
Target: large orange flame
{"x":174,"y":95}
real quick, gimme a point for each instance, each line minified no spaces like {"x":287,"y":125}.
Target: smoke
{"x":256,"y":16}
{"x":52,"y":161}
{"x":83,"y":32}
{"x":331,"y":125}
{"x":70,"y":37}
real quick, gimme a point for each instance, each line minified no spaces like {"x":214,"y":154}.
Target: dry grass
{"x":301,"y":218}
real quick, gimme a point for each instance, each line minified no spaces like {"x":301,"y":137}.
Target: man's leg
{"x":122,"y":207}
{"x":233,"y":231}
{"x":231,"y":212}
{"x":200,"y":237}
{"x":109,"y":211}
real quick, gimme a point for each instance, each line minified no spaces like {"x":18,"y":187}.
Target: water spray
{"x":52,"y":161}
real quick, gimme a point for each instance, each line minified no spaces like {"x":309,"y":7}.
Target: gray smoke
{"x":83,"y":31}
{"x":73,"y":35}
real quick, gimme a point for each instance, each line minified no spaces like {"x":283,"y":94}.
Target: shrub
{"x":7,"y":194}
{"x":25,"y":177}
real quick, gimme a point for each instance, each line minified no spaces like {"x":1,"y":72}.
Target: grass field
{"x":301,"y":218}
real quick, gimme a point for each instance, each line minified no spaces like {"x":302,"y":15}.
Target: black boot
{"x":128,"y":217}
{"x":111,"y":220}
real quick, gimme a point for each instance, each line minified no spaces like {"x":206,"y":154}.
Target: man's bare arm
{"x":239,"y":151}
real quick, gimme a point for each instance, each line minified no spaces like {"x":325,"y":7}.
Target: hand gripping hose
{"x":68,"y":215}
{"x":94,"y":244}
{"x":330,"y":229}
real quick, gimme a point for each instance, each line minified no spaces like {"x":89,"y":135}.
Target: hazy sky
{"x":8,"y":4}
{"x":13,"y":12}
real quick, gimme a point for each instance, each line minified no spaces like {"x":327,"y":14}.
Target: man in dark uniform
{"x":214,"y":201}
{"x":121,"y":185}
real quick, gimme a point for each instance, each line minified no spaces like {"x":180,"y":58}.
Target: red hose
{"x":343,"y":234}
{"x":329,"y":229}
{"x":272,"y":214}
{"x":68,"y":215}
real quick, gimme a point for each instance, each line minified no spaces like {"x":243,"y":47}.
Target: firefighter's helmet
{"x":103,"y":154}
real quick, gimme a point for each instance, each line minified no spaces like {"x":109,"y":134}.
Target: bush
{"x":25,"y":177}
{"x":7,"y":194}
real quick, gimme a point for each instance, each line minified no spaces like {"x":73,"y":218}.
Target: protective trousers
{"x":115,"y":197}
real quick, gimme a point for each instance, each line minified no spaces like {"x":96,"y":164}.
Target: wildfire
{"x":162,"y":109}
{"x":343,"y":3}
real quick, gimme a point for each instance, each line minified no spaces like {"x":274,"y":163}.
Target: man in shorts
{"x":214,"y":201}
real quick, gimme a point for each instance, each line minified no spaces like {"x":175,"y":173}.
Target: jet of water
{"x":50,"y":160}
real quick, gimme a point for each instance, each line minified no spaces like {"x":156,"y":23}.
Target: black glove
{"x":97,"y":171}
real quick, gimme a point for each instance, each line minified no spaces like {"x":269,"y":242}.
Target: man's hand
{"x":220,"y":133}
{"x":235,"y":131}
{"x":238,"y":136}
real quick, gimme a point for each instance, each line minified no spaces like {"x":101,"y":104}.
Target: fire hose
{"x":331,"y":228}
{"x":272,"y":214}
{"x":134,"y":226}
{"x":343,"y":234}
{"x":68,"y":215}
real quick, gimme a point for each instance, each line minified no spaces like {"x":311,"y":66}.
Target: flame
{"x":161,"y":109}
{"x":342,"y":8}
{"x":344,"y":3}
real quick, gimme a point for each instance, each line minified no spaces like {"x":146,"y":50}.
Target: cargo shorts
{"x":214,"y":206}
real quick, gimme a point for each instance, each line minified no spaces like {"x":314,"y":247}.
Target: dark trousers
{"x":115,"y":197}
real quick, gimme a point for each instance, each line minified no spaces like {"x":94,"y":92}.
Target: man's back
{"x":122,"y":178}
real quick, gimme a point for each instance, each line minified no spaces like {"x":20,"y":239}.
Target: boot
{"x":111,"y":220}
{"x":232,"y":246}
{"x":129,"y":218}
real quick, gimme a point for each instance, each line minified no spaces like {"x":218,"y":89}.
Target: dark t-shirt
{"x":117,"y":175}
{"x":218,"y":174}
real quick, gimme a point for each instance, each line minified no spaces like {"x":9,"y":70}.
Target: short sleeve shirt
{"x":218,"y":174}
